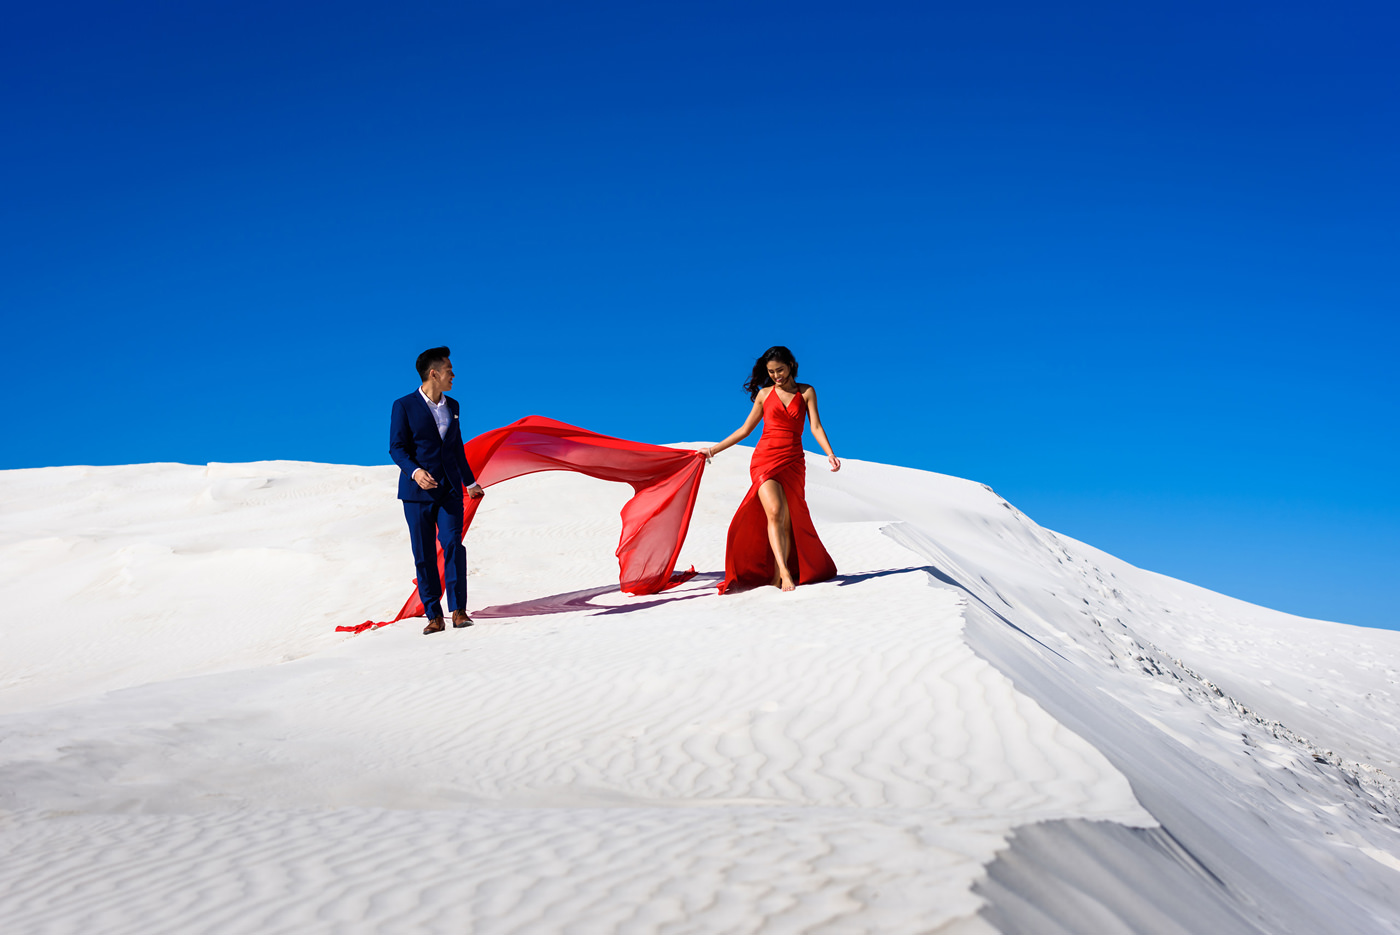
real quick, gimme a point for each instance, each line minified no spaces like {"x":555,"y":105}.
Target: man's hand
{"x":424,"y":480}
{"x":475,"y":492}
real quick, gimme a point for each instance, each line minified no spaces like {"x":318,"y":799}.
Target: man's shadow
{"x":701,"y":585}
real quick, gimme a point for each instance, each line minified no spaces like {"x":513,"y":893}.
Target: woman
{"x":771,"y":539}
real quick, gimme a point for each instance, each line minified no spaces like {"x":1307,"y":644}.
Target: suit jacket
{"x":414,"y":443}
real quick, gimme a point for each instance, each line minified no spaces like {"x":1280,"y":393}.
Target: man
{"x":425,"y":441}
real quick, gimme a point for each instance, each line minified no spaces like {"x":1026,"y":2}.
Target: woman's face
{"x":779,"y":373}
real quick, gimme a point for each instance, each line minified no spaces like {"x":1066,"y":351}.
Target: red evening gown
{"x":748,"y":558}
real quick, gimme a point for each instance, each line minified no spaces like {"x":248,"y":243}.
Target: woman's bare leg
{"x":770,"y":494}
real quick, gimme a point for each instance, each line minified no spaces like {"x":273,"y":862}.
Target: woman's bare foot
{"x":786,"y":583}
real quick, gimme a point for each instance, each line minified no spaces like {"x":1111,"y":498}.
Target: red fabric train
{"x":654,"y":521}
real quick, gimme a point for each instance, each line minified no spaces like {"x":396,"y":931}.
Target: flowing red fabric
{"x":748,"y":558}
{"x":654,"y":521}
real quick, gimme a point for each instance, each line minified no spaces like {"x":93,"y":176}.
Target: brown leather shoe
{"x":460,"y":619}
{"x":435,"y":625}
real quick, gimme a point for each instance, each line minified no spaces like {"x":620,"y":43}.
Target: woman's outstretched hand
{"x":834,"y":461}
{"x":709,"y":455}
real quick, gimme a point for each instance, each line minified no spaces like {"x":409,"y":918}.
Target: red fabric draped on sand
{"x":748,"y":558}
{"x":654,"y":521}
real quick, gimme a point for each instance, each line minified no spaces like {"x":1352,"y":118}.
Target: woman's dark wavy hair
{"x":759,"y":378}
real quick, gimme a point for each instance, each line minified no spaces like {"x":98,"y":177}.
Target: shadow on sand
{"x":571,"y":601}
{"x":583,"y":600}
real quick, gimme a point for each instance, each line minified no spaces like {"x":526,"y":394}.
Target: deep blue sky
{"x":1135,"y":266}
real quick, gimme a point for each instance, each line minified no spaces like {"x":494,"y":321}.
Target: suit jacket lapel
{"x":423,"y":406}
{"x":453,"y":423}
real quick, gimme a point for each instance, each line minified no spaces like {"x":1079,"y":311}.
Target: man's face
{"x":440,"y":375}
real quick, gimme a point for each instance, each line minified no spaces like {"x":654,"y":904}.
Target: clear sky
{"x":1136,"y":266}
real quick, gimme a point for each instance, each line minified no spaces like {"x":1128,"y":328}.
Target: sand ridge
{"x":196,"y":750}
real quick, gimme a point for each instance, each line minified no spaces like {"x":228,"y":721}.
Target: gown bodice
{"x":783,"y":425}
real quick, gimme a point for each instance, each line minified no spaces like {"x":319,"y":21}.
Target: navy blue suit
{"x":414,"y":443}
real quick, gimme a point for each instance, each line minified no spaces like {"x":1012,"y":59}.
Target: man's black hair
{"x":429,"y":357}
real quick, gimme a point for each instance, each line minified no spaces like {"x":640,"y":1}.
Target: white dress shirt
{"x":441,"y":414}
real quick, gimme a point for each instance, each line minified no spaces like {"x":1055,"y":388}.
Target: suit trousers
{"x":440,"y":519}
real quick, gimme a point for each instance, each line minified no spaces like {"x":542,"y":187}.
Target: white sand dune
{"x":980,"y":726}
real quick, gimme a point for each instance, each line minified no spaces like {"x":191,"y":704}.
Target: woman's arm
{"x":755,"y":417}
{"x":818,"y":432}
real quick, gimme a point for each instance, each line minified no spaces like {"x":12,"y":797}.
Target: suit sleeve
{"x":469,"y":478}
{"x":466,"y":468}
{"x":401,"y":447}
